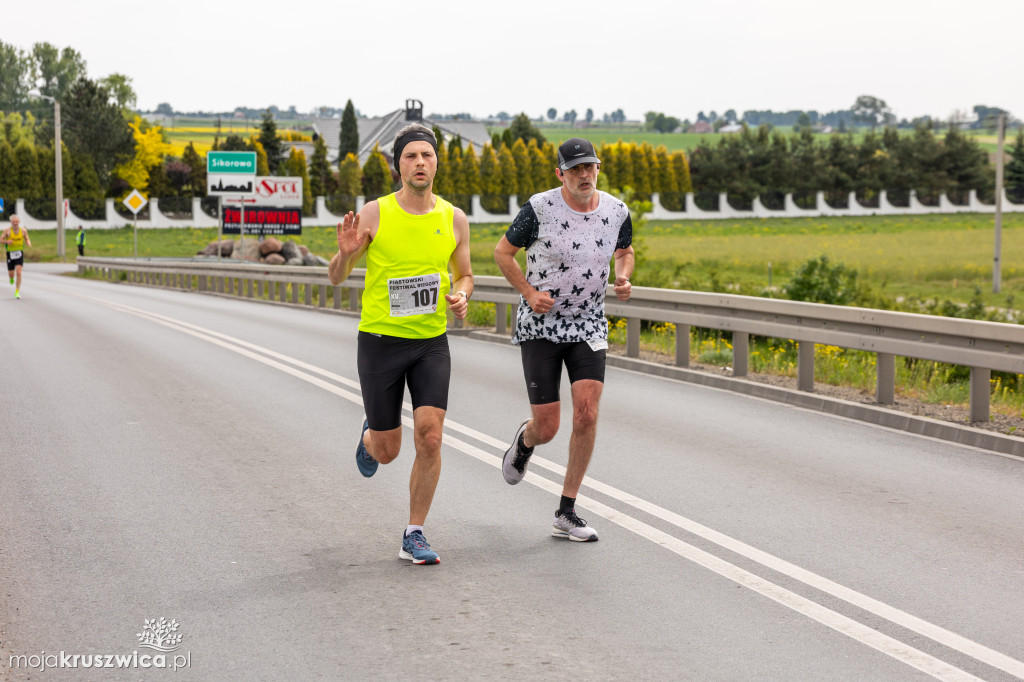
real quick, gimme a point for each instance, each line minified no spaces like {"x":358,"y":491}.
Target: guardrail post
{"x":337,"y":298}
{"x":682,"y":345}
{"x":885,"y":391}
{"x":353,"y":299}
{"x":981,"y":388}
{"x":282,"y":292}
{"x":321,"y":301}
{"x":632,"y":337}
{"x":295,"y":292}
{"x":740,"y":353}
{"x":248,"y":288}
{"x":501,"y":318}
{"x":805,"y":366}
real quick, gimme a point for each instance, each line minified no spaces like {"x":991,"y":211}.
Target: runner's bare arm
{"x":623,"y":271}
{"x":462,"y":269}
{"x":355,"y":232}
{"x":505,"y":256}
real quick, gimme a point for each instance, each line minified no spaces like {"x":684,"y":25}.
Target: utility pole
{"x":58,"y":161}
{"x":997,"y":274}
{"x":58,"y":167}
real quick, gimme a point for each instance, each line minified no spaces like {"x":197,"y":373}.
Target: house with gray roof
{"x":381,"y":131}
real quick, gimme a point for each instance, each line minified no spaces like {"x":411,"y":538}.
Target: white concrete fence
{"x":323,"y":216}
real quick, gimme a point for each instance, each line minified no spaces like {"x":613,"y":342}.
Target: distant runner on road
{"x":16,"y":239}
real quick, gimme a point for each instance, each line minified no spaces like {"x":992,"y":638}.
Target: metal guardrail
{"x":981,"y":346}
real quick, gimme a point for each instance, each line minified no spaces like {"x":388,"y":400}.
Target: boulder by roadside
{"x":271,"y":251}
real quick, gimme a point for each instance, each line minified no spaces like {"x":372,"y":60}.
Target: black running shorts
{"x":542,"y":366}
{"x":387,"y":363}
{"x":14,"y":262}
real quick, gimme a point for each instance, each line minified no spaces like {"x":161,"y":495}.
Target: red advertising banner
{"x":260,"y":220}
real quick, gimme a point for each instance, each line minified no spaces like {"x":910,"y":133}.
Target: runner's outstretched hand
{"x":351,"y":238}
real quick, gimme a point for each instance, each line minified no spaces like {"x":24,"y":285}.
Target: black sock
{"x":567,"y":504}
{"x":522,"y":446}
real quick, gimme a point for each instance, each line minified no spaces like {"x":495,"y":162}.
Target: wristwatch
{"x":464,"y":294}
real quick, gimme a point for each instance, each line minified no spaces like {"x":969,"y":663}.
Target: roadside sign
{"x":231,"y":163}
{"x":279,"y":191}
{"x":230,"y":172}
{"x":135,"y":201}
{"x":232,"y":183}
{"x":1,"y":205}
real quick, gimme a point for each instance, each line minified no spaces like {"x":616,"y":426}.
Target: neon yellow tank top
{"x":17,"y":240}
{"x":407,"y":271}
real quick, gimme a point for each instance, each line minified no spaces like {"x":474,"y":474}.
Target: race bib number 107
{"x":414,"y":295}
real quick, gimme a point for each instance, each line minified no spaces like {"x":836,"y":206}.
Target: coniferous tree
{"x":681,"y":172}
{"x":268,"y":137}
{"x":490,"y":181}
{"x":455,"y":173}
{"x":508,"y":172}
{"x":470,"y":173}
{"x":262,"y":160}
{"x":443,"y":178}
{"x":295,"y":167}
{"x":350,"y":177}
{"x":321,"y":180}
{"x":1014,"y":170}
{"x":544,"y":165}
{"x":86,"y":182}
{"x":524,"y":170}
{"x":376,"y":176}
{"x":348,"y":139}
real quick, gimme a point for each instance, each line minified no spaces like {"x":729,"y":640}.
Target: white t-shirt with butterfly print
{"x":568,"y":254}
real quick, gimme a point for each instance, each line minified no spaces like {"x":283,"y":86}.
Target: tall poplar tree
{"x":271,"y":143}
{"x":348,"y":139}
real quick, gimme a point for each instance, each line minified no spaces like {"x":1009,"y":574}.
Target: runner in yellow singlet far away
{"x":15,"y":238}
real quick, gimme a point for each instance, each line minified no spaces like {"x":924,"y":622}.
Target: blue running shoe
{"x":367,"y":464}
{"x":416,"y":549}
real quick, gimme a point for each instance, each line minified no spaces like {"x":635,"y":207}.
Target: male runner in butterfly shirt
{"x":570,"y":234}
{"x":410,"y":239}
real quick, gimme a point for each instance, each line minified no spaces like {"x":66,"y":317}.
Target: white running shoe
{"x":513,"y":464}
{"x":568,"y":525}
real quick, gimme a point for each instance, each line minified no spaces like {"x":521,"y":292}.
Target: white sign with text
{"x":278,"y":191}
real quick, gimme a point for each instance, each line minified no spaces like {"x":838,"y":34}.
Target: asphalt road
{"x":166,"y":455}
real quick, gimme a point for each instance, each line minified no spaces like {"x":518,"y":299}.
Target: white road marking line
{"x":837,"y":621}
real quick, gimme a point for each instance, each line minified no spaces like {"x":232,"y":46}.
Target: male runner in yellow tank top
{"x":410,"y":239}
{"x":16,"y":239}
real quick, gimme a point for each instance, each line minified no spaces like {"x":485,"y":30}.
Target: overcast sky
{"x":923,"y":57}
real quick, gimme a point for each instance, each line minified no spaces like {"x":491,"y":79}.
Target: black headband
{"x":412,"y":136}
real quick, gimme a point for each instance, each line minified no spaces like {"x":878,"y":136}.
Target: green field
{"x":932,"y":257}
